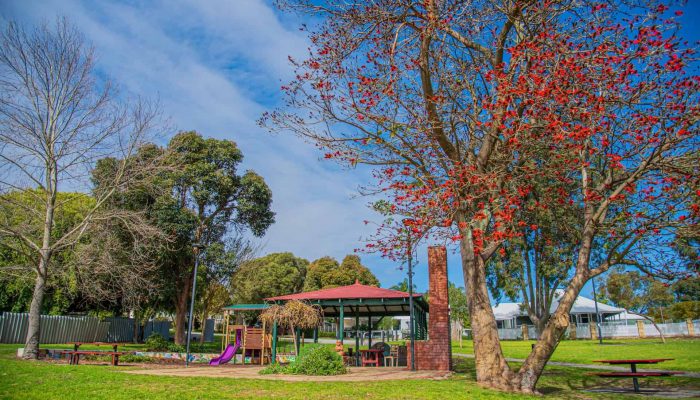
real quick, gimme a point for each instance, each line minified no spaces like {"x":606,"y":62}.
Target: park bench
{"x":75,"y":355}
{"x":633,"y":370}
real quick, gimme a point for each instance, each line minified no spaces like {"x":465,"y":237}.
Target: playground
{"x":443,"y":369}
{"x":99,"y":380}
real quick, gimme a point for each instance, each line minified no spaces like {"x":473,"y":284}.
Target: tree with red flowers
{"x":460,"y":105}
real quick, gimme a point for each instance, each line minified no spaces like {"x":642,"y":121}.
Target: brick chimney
{"x":436,"y":352}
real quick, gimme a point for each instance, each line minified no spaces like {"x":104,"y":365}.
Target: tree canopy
{"x":275,"y":274}
{"x":327,"y":273}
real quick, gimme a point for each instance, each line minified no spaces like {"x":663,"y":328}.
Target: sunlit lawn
{"x":44,"y":380}
{"x":685,"y":352}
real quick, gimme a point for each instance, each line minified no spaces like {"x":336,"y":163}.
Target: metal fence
{"x":62,"y":329}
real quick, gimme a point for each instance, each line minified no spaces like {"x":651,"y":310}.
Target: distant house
{"x":513,"y":315}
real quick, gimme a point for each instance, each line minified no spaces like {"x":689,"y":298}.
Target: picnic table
{"x":76,"y":352}
{"x":633,"y":370}
{"x":371,"y":356}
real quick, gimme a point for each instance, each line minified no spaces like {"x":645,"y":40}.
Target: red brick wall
{"x":436,"y":352}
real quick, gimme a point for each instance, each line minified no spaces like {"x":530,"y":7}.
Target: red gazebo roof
{"x":355,"y":291}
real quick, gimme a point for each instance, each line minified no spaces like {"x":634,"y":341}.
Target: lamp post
{"x":196,"y":248}
{"x":410,"y":294}
{"x":597,"y":314}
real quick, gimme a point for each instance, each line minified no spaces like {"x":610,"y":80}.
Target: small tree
{"x":56,"y":120}
{"x":639,"y":294}
{"x":295,"y":315}
{"x":459,"y":310}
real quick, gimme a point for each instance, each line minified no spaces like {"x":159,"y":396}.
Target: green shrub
{"x":275,"y":369}
{"x":175,"y":348}
{"x":319,"y":360}
{"x":313,"y":359}
{"x":135,"y":358}
{"x":157,"y":342}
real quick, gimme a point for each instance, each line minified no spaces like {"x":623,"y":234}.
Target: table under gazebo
{"x":359,"y":301}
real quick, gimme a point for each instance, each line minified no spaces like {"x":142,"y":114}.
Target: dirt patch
{"x":252,"y":372}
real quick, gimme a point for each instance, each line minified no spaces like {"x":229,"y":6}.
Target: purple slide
{"x":229,"y":352}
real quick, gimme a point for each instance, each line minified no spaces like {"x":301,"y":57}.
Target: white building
{"x":513,"y":315}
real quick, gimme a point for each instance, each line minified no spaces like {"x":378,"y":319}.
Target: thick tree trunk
{"x":532,"y":368}
{"x":492,"y":370}
{"x":181,"y":297}
{"x":31,"y":345}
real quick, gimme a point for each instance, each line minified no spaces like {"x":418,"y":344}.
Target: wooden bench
{"x":75,"y":355}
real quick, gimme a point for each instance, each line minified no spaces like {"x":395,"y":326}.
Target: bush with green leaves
{"x":176,"y":348}
{"x":157,"y":342}
{"x":314,"y":359}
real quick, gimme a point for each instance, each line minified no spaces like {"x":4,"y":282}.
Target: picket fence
{"x":63,"y":329}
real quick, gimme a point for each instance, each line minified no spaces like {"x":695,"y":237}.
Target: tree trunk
{"x":181,"y":297}
{"x":31,"y":345}
{"x":205,"y":314}
{"x":532,"y":368}
{"x":492,"y":370}
{"x":136,"y":325}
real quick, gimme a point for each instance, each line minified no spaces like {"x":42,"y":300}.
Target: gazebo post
{"x":274,"y":343}
{"x":316,"y":334}
{"x":357,"y":334}
{"x":369,"y":339}
{"x":341,"y":324}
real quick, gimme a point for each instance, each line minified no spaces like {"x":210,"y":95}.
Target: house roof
{"x":354,"y":291}
{"x":582,"y":305}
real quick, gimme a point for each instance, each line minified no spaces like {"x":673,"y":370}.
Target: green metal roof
{"x":247,"y":307}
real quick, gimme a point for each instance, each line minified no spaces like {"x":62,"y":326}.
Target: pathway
{"x":252,"y":372}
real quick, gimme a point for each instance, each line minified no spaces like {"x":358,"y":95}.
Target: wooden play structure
{"x":255,"y":343}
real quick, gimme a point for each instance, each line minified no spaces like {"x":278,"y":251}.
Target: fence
{"x":122,"y":329}
{"x":62,"y":329}
{"x":610,"y":330}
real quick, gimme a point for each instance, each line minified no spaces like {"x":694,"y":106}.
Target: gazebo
{"x":357,"y":301}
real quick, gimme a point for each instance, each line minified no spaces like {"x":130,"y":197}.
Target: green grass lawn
{"x":685,"y":352}
{"x":44,"y":380}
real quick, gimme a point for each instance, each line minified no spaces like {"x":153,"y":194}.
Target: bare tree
{"x":56,"y":120}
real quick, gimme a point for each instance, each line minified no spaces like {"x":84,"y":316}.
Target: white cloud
{"x":216,"y":66}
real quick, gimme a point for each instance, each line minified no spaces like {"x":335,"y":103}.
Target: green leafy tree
{"x":199,"y":196}
{"x":684,"y":310}
{"x":639,"y":294}
{"x":403,"y":286}
{"x":326,"y":273}
{"x":275,"y":274}
{"x":459,"y":309}
{"x":18,"y":261}
{"x":687,"y":289}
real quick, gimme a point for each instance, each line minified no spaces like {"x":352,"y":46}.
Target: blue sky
{"x":215,"y":66}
